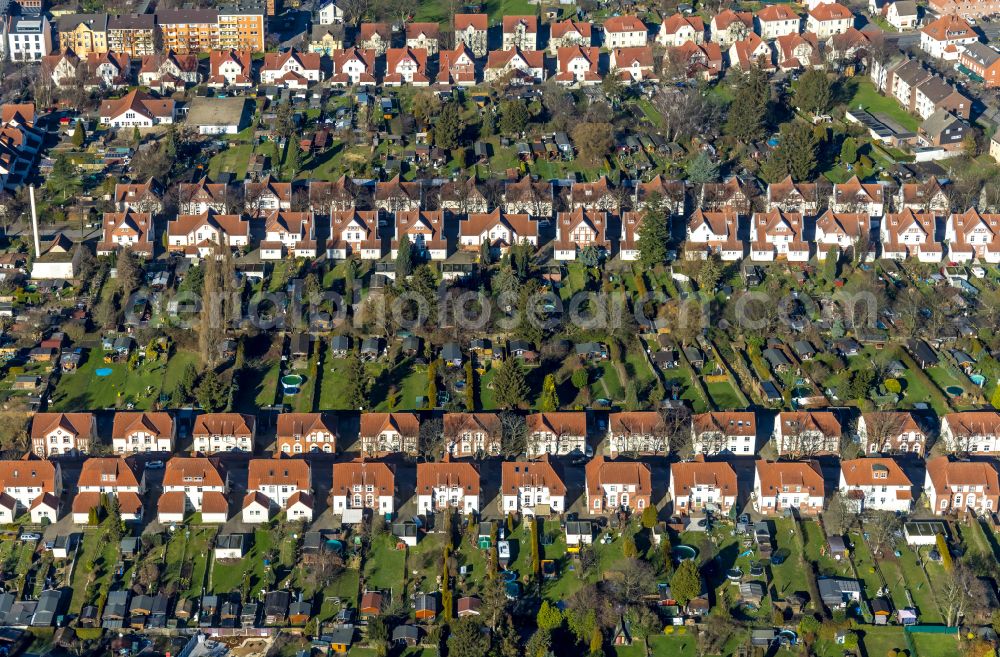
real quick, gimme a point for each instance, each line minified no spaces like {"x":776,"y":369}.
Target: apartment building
{"x":135,"y":35}
{"x":83,"y":33}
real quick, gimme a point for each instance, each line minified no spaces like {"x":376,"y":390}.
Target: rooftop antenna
{"x":34,"y":221}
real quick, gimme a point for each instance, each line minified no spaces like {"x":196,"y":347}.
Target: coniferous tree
{"x":747,"y":113}
{"x":79,"y":134}
{"x":654,"y":233}
{"x":404,"y":258}
{"x":509,"y":387}
{"x":549,"y":401}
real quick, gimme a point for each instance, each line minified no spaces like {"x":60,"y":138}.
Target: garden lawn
{"x":332,"y":391}
{"x":944,"y":377}
{"x":723,"y":395}
{"x":815,"y":551}
{"x":916,"y":582}
{"x":789,"y":576}
{"x":82,"y":388}
{"x":385,"y":566}
{"x":936,"y":645}
{"x":869,"y":98}
{"x":879,"y":641}
{"x":187,"y":558}
{"x":609,"y":385}
{"x":680,"y":643}
{"x":178,"y":363}
{"x":916,"y":391}
{"x":229,"y":577}
{"x":486,"y":400}
{"x":410,"y":381}
{"x":94,"y":568}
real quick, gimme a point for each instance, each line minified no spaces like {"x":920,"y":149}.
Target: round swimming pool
{"x":684,"y":553}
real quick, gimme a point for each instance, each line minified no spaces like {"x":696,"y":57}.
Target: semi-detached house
{"x":699,"y":485}
{"x":531,"y":487}
{"x":876,"y":484}
{"x":788,"y":485}
{"x":275,"y":485}
{"x":614,"y":485}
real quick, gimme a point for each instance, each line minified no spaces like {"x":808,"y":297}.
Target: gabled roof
{"x":476,"y":21}
{"x":675,"y":22}
{"x":776,"y":12}
{"x":526,"y":189}
{"x":362,"y":473}
{"x":278,"y":472}
{"x":373,"y":424}
{"x":501,"y":58}
{"x":727,"y":17}
{"x":28,"y":473}
{"x":530,"y":23}
{"x":560,"y":29}
{"x":627,"y":23}
{"x":719,"y":223}
{"x":226,"y":224}
{"x":368,"y":30}
{"x":795,"y":422}
{"x":729,"y":423}
{"x":291,"y":425}
{"x":458,"y":474}
{"x":429,"y":30}
{"x":274,"y":61}
{"x":456,"y":424}
{"x":139,"y":102}
{"x":851,"y":224}
{"x":394,"y":57}
{"x":637,"y":423}
{"x":193,"y":471}
{"x":830,"y":11}
{"x":973,"y":423}
{"x":594,"y":220}
{"x":158,"y":424}
{"x":517,"y":474}
{"x":109,"y":472}
{"x":855,"y":190}
{"x":718,"y":475}
{"x":947,"y":476}
{"x":950,"y":27}
{"x":283,"y":221}
{"x":600,"y":471}
{"x":560,"y":423}
{"x":76,"y":424}
{"x":802,"y":476}
{"x":873,"y":472}
{"x":780,"y":191}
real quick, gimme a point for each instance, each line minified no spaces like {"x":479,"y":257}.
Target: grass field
{"x":94,"y":568}
{"x":865,"y":95}
{"x":879,"y":641}
{"x":230,"y":576}
{"x":84,"y":389}
{"x":385,"y":566}
{"x":936,"y":645}
{"x":723,"y":395}
{"x":188,"y":553}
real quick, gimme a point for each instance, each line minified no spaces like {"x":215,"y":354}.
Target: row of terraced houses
{"x":797,"y":222}
{"x":282,"y":483}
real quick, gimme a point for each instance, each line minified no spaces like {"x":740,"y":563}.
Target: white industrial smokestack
{"x":34,"y":221}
